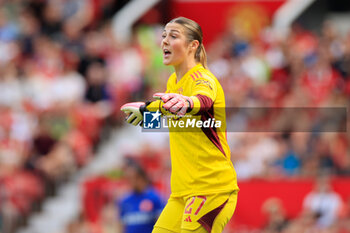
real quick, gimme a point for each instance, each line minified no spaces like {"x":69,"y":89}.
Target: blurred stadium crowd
{"x":303,"y":70}
{"x":63,"y":77}
{"x":56,"y":95}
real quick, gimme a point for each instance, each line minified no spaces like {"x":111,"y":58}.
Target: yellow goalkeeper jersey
{"x":200,"y":159}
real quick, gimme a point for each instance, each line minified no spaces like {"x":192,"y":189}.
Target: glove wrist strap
{"x":189,"y":109}
{"x":143,"y":108}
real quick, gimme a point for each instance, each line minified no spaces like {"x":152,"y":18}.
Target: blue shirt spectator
{"x":140,"y":209}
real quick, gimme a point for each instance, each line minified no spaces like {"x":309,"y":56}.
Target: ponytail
{"x":201,"y":56}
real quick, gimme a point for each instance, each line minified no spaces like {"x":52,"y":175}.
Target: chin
{"x":167,"y":63}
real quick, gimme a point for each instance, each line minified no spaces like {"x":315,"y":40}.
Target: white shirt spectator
{"x":325,"y":203}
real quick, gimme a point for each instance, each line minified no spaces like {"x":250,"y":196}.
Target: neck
{"x":182,"y":68}
{"x":141,"y":187}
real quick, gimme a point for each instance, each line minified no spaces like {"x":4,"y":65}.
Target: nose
{"x":165,"y":41}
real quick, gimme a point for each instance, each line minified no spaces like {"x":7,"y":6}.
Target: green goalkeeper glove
{"x":135,"y":111}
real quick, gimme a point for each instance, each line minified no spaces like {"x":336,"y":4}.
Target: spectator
{"x":97,"y":86}
{"x":323,"y":203}
{"x":290,"y":161}
{"x":276,"y":216}
{"x":43,"y":143}
{"x":139,"y":209}
{"x":305,"y":222}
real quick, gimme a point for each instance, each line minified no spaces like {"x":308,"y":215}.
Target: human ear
{"x":194,"y":45}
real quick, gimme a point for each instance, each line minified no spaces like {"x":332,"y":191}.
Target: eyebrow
{"x":172,"y":30}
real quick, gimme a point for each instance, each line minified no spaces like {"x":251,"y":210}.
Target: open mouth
{"x":166,"y":52}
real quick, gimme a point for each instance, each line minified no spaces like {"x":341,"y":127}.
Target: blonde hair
{"x":193,"y":32}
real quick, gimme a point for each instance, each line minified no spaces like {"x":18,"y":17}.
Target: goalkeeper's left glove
{"x":175,"y":103}
{"x":135,"y":111}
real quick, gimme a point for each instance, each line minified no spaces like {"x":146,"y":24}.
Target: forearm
{"x":201,"y":104}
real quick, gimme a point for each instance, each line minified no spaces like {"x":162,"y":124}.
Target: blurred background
{"x":70,"y":164}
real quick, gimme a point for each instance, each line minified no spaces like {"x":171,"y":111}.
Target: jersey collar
{"x":188,"y":73}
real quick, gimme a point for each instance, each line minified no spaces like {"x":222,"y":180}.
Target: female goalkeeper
{"x":203,"y":181}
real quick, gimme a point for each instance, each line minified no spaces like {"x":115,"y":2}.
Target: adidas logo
{"x":188,"y":219}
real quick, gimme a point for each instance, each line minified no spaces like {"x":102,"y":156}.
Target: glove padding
{"x":135,"y":112}
{"x":175,"y":103}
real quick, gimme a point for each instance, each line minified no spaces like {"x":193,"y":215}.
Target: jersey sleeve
{"x":204,"y":92}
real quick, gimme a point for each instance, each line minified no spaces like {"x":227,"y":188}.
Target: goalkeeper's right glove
{"x":135,"y":111}
{"x":175,"y":103}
